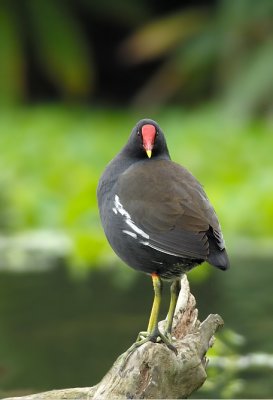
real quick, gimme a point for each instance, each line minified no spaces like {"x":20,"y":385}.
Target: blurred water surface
{"x":57,"y":331}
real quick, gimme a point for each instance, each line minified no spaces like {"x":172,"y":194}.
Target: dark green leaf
{"x":61,"y":46}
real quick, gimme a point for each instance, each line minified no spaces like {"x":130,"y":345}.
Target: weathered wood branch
{"x":154,"y":371}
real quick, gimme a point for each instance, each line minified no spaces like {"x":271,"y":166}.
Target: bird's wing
{"x":170,"y":207}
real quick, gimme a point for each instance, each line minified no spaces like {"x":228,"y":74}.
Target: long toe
{"x":168,"y":341}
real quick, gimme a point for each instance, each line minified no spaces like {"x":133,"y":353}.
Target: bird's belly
{"x":149,"y":260}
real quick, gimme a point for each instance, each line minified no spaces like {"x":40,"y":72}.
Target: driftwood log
{"x":153,"y":371}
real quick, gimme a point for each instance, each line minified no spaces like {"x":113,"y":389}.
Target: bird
{"x":158,"y":220}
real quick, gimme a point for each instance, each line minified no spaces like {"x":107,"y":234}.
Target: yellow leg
{"x":153,"y":321}
{"x":175,"y":290}
{"x":152,"y":334}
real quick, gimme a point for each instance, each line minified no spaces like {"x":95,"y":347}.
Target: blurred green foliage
{"x":233,"y":375}
{"x":49,"y":38}
{"x":52,"y":158}
{"x":55,"y":36}
{"x":200,"y":52}
{"x":228,"y":52}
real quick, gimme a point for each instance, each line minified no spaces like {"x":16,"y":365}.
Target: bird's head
{"x":147,"y":140}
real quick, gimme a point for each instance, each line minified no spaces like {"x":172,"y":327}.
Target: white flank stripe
{"x":134,"y":235}
{"x":120,"y":208}
{"x":137,"y":229}
{"x":128,"y":220}
{"x":115,"y":210}
{"x":162,"y":251}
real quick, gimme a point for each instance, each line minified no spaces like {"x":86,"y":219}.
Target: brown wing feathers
{"x":172,"y":207}
{"x":154,"y":203}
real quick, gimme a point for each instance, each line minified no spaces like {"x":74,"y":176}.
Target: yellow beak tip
{"x":149,"y":153}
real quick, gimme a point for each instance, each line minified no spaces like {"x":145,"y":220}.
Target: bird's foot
{"x":169,"y":336}
{"x":143,"y":337}
{"x":156,"y":337}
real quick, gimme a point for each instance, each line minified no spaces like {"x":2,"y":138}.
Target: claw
{"x":141,"y":335}
{"x":168,"y":342}
{"x":168,"y":335}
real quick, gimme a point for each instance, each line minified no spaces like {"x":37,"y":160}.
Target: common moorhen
{"x":157,"y":218}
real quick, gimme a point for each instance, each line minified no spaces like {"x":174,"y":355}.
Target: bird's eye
{"x":138,"y":132}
